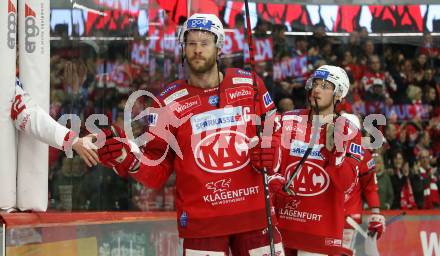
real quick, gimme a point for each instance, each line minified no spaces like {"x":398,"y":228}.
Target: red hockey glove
{"x":116,"y":153}
{"x":330,"y":151}
{"x":279,"y":197}
{"x":265,"y":157}
{"x":376,"y":224}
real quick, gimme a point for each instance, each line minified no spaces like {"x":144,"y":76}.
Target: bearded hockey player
{"x":220,"y":203}
{"x":310,"y":209}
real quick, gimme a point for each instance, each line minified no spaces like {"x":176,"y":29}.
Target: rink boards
{"x":148,"y":234}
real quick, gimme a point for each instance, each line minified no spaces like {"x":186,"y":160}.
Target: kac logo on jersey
{"x":223,"y":151}
{"x":312,"y":179}
{"x":199,"y":24}
{"x":213,"y":100}
{"x":267,"y":99}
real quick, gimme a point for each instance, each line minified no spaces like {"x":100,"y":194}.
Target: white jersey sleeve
{"x":30,"y":118}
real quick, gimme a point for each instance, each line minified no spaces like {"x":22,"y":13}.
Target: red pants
{"x":252,"y":243}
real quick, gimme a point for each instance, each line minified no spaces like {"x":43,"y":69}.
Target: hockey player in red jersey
{"x":220,"y":203}
{"x":310,"y":209}
{"x":365,"y":189}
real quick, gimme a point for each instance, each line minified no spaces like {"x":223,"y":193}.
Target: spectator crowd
{"x":90,"y":77}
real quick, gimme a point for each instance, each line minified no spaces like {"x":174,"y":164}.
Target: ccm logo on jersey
{"x":175,"y":96}
{"x":241,"y":80}
{"x":187,"y":105}
{"x":312,"y":179}
{"x":239,"y":93}
{"x":267,"y":99}
{"x":223,"y":151}
{"x":356,"y":150}
{"x":333,"y":242}
{"x":215,"y":119}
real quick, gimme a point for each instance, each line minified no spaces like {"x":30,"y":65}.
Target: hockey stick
{"x":298,"y":167}
{"x":259,"y":130}
{"x":370,"y":242}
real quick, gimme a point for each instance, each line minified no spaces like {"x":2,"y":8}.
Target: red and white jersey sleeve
{"x":207,"y":132}
{"x":314,"y":219}
{"x":366,"y":189}
{"x":30,"y":118}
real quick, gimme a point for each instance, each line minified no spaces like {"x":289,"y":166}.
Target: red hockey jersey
{"x":365,"y":189}
{"x":217,"y":190}
{"x":314,"y":219}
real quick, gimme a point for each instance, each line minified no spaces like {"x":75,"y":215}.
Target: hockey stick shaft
{"x":356,"y":226}
{"x":298,"y":167}
{"x":270,"y":227}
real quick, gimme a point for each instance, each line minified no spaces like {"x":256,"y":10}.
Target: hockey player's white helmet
{"x":205,"y":22}
{"x":333,"y":74}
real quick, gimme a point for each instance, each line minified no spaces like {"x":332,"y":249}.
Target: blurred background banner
{"x":87,"y":18}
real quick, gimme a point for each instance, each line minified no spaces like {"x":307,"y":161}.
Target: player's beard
{"x":208,"y":64}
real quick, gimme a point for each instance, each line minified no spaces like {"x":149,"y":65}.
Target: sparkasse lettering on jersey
{"x":298,"y":148}
{"x":215,"y":119}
